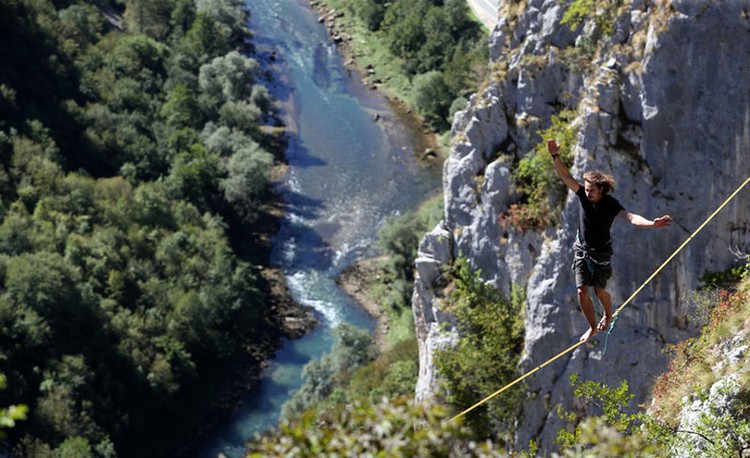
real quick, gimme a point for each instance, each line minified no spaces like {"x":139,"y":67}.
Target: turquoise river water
{"x":351,"y":164}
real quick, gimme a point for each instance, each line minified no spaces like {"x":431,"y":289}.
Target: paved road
{"x":486,"y":11}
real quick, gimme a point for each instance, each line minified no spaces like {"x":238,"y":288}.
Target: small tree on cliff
{"x":487,"y":353}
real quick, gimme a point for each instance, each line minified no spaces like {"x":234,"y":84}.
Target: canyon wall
{"x":663,"y":105}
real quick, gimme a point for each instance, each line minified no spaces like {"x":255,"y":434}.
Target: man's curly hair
{"x":603,"y":181}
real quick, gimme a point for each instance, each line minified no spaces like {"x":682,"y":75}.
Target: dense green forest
{"x":133,"y":173}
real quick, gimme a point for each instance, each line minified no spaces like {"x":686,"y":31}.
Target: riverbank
{"x":292,"y":318}
{"x":356,"y":281}
{"x":431,"y":151}
{"x":288,"y":318}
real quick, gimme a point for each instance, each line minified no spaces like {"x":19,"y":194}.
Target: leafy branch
{"x":536,"y":180}
{"x":10,"y":415}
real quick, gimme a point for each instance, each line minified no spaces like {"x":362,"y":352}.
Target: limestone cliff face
{"x":665,"y":107}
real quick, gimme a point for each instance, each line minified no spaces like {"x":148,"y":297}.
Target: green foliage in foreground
{"x":487,"y":353}
{"x":11,"y":414}
{"x":611,"y":402}
{"x":617,"y":433}
{"x":388,"y":428}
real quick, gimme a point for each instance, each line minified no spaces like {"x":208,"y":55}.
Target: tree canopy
{"x":439,"y":46}
{"x":130,"y":148}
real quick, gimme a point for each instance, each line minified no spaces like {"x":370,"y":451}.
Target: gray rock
{"x":692,"y":7}
{"x":674,"y":129}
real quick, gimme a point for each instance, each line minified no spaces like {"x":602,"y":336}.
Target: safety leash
{"x":609,"y":331}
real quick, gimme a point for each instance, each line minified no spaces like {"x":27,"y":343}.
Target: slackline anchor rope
{"x":617,"y":312}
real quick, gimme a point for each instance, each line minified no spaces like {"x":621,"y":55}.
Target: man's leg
{"x":606,"y":301}
{"x":587,"y":307}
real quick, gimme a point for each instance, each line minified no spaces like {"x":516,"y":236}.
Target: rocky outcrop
{"x":664,"y":106}
{"x":720,"y":403}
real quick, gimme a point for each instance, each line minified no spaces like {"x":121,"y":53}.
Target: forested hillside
{"x":133,"y":173}
{"x":430,"y":53}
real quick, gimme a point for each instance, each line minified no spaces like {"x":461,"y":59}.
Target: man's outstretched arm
{"x":562,"y":171}
{"x":640,"y":221}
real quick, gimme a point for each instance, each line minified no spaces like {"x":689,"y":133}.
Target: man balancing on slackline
{"x":593,"y":246}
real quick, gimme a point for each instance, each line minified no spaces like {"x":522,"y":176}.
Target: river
{"x":351,"y":164}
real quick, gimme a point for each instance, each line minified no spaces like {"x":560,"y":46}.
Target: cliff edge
{"x":659,"y":92}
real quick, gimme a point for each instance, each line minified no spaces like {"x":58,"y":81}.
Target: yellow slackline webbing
{"x":614,"y":315}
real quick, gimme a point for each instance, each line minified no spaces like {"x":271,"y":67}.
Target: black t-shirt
{"x":596,"y":219}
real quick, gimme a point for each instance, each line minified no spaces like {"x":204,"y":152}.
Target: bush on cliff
{"x":486,"y":356}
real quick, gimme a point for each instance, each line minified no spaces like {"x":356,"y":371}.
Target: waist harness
{"x":581,"y":251}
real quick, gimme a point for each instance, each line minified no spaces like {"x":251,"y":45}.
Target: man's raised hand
{"x":552,"y":147}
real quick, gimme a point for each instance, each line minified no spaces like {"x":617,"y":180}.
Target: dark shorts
{"x":600,"y":264}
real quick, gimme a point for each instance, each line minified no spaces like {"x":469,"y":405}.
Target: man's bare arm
{"x":640,"y":221}
{"x":562,"y":171}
